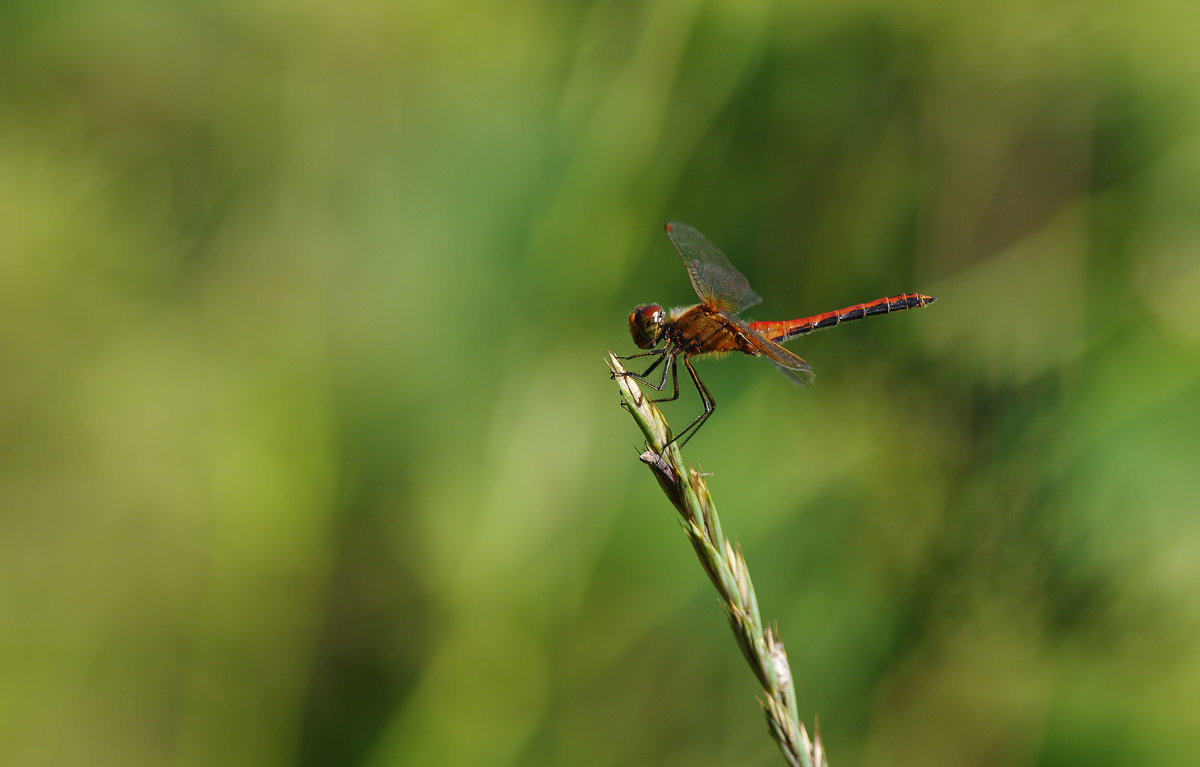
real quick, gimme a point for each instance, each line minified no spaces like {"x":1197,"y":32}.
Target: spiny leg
{"x":663,"y":354}
{"x":673,"y":364}
{"x":659,"y":353}
{"x":706,"y":399}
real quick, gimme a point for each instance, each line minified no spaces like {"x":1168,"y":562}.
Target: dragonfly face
{"x":646,"y":325}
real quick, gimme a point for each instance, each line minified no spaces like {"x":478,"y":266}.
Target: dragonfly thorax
{"x":646,"y":325}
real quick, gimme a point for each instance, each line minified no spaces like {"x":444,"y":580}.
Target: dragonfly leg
{"x":673,"y":364}
{"x":643,"y":354}
{"x":660,"y":353}
{"x":641,"y":377}
{"x":706,"y":399}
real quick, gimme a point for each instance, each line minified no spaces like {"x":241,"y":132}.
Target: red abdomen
{"x":785,"y":329}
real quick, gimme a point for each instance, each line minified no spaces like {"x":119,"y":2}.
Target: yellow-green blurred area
{"x":309,"y":455}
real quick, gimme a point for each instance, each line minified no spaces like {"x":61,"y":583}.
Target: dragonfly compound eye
{"x":645,"y":325}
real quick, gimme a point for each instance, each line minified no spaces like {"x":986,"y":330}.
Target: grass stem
{"x":726,"y":568}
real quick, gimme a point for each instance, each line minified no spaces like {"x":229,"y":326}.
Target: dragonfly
{"x":713,"y":327}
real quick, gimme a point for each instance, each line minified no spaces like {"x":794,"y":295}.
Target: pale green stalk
{"x":727,"y":570}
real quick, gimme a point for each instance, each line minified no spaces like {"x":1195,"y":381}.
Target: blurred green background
{"x":309,"y":456}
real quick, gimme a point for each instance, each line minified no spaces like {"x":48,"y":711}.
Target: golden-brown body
{"x":699,"y":330}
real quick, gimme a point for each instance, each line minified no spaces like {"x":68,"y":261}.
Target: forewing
{"x":796,"y":369}
{"x":716,"y":281}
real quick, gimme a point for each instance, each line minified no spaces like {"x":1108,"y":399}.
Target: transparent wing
{"x":716,"y":281}
{"x":795,"y":368}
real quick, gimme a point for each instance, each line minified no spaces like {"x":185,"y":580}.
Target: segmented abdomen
{"x":783,"y":330}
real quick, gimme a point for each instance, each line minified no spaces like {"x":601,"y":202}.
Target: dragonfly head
{"x":646,"y":325}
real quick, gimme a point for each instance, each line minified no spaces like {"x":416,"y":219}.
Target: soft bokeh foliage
{"x":308,"y":454}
